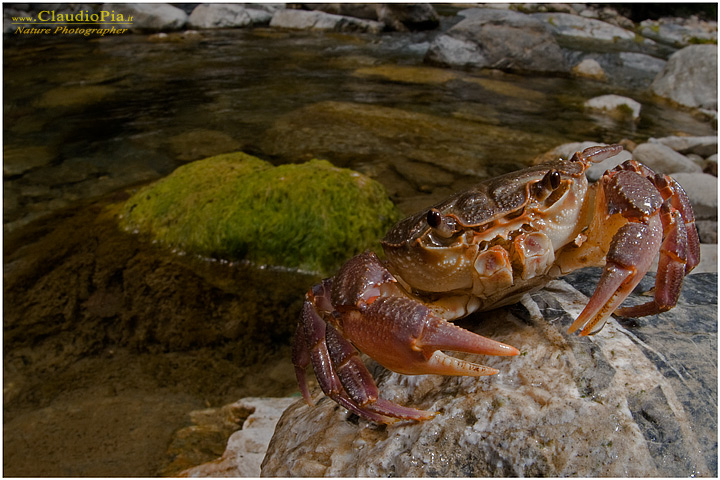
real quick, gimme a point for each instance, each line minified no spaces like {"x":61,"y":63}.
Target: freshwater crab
{"x":484,"y":248}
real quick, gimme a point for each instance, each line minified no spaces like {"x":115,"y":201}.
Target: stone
{"x":409,"y":74}
{"x":707,"y":231}
{"x":499,"y":39}
{"x":228,"y":15}
{"x":690,"y":77}
{"x":664,"y":159}
{"x":310,"y":216}
{"x":306,"y":20}
{"x":703,"y":146}
{"x":637,"y":399}
{"x":73,"y":96}
{"x":619,"y":107}
{"x":642,"y":62}
{"x":575,"y":27}
{"x":670,"y":31}
{"x":18,"y":160}
{"x":701,"y":189}
{"x":398,"y":17}
{"x":147,"y":17}
{"x":246,"y":447}
{"x":589,"y":68}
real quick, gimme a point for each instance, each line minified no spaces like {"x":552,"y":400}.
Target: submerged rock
{"x":351,"y":131}
{"x":638,"y":399}
{"x":310,"y":216}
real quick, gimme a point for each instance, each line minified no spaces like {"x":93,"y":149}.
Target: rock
{"x":246,"y":448}
{"x":147,"y":17}
{"x":344,"y":131}
{"x":637,"y":399}
{"x":618,"y":107}
{"x":577,"y":28}
{"x":707,"y":231}
{"x":500,"y":39}
{"x":708,"y":256}
{"x":701,"y":188}
{"x":409,"y":74}
{"x":310,"y":217}
{"x":398,"y":17}
{"x":664,"y":159}
{"x":305,"y":20}
{"x":690,"y":77}
{"x":188,"y":37}
{"x":642,"y":62}
{"x":228,"y":15}
{"x":73,"y":96}
{"x":678,"y":32}
{"x":589,"y":68}
{"x":18,"y":160}
{"x":703,"y":146}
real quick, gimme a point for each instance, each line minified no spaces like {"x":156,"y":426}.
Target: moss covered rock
{"x":309,"y":216}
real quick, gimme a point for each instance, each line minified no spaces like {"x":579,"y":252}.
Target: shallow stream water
{"x":86,"y":120}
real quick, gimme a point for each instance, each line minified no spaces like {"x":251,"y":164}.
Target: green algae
{"x":310,"y":216}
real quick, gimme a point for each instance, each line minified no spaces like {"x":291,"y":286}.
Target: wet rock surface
{"x":638,"y":399}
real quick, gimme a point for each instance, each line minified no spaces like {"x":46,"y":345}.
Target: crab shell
{"x":519,"y":219}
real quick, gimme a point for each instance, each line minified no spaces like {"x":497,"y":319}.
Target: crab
{"x":485,"y":248}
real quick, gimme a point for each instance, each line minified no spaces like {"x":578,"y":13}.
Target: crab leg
{"x":631,"y":253}
{"x":669,"y":188}
{"x":359,"y":385}
{"x":671,"y":267}
{"x":313,"y":338}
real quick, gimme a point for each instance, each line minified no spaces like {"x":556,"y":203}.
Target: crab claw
{"x":406,"y":337}
{"x":631,"y":253}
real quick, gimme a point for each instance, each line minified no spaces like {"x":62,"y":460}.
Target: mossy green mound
{"x":310,"y":216}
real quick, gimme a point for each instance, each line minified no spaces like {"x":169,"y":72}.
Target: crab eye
{"x":550,"y":182}
{"x":434,"y":218}
{"x":444,"y":226}
{"x":554,"y":179}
